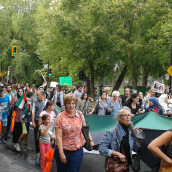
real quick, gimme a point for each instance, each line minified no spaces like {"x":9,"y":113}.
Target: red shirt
{"x":155,"y":110}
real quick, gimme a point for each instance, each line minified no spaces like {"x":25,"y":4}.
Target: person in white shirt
{"x":107,"y":90}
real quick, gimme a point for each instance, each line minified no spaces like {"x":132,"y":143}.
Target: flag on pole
{"x":20,"y":103}
{"x":43,"y":79}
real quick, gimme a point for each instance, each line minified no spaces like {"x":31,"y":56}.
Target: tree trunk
{"x":88,"y":86}
{"x":120,"y":78}
{"x":133,"y":72}
{"x":145,"y":73}
{"x":91,"y":66}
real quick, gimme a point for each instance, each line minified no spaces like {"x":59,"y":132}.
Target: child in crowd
{"x":44,"y":139}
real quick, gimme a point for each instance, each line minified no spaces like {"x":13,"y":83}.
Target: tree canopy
{"x":93,"y":36}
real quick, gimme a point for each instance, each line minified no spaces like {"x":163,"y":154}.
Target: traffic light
{"x":82,"y":75}
{"x":14,"y":50}
{"x":49,"y":72}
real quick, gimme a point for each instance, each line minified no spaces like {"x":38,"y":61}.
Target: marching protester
{"x":107,"y":90}
{"x":78,"y":93}
{"x":164,"y":154}
{"x":4,"y":105}
{"x":141,"y":102}
{"x":52,"y":93}
{"x":163,"y":101}
{"x":25,"y":119}
{"x":75,"y":87}
{"x":83,"y":104}
{"x":38,"y":107}
{"x":33,"y":89}
{"x":14,"y":88}
{"x":69,"y":138}
{"x":48,"y":110}
{"x":154,"y":106}
{"x":44,"y":139}
{"x":59,"y":96}
{"x":115,"y":102}
{"x":18,"y":86}
{"x":150,"y":94}
{"x":27,"y":89}
{"x":126,"y":96}
{"x":132,"y":103}
{"x":101,"y":105}
{"x":11,"y":96}
{"x":18,"y":125}
{"x":119,"y":141}
{"x":26,"y":86}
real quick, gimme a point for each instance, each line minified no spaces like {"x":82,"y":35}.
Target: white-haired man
{"x":107,"y":90}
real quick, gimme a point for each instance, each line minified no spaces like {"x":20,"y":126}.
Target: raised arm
{"x":154,"y":146}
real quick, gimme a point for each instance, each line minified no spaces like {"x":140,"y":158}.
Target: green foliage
{"x":92,"y":36}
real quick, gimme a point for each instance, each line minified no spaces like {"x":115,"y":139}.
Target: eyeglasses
{"x":125,"y":116}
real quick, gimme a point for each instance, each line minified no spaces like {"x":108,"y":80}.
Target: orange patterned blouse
{"x":72,"y":137}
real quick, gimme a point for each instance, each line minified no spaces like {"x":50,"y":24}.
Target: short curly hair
{"x":69,"y":98}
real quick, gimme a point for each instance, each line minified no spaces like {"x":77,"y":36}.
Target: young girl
{"x":44,"y":139}
{"x":49,"y":110}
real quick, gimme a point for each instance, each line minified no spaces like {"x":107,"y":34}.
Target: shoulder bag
{"x":165,"y":166}
{"x":96,"y":109}
{"x":85,"y":132}
{"x":114,"y":164}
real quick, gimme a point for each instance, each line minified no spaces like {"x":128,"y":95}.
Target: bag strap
{"x":80,"y":116}
{"x":84,"y":106}
{"x":119,"y":141}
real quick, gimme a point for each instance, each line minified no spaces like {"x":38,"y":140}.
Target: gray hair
{"x":120,"y":111}
{"x":115,"y":93}
{"x":107,"y":88}
{"x":127,"y":89}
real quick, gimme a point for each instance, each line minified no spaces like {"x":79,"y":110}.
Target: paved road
{"x":13,"y":161}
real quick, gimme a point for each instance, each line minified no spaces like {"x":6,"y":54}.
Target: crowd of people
{"x":65,"y":129}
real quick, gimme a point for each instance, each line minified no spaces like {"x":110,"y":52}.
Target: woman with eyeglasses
{"x":110,"y":145}
{"x":115,"y":102}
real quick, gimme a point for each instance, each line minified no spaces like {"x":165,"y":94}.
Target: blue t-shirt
{"x":116,"y":106}
{"x":4,"y":104}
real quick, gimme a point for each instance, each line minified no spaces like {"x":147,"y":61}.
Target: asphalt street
{"x":13,"y":161}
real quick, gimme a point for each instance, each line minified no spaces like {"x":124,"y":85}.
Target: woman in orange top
{"x":69,"y":138}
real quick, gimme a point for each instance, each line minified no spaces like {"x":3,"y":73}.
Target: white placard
{"x":158,"y":87}
{"x":53,"y":84}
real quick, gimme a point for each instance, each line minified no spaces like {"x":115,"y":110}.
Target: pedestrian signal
{"x":49,"y":72}
{"x":14,"y":50}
